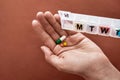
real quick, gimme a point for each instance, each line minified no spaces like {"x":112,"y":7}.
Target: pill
{"x":64,"y":43}
{"x":58,"y":41}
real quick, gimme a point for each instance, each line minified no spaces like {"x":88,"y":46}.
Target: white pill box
{"x":90,"y":24}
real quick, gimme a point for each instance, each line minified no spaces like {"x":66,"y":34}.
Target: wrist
{"x":102,"y":70}
{"x":107,"y":72}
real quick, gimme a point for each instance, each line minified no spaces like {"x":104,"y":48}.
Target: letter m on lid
{"x":79,"y":26}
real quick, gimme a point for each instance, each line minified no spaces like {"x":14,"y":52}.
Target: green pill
{"x":58,"y":41}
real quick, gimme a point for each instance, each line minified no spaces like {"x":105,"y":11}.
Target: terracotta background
{"x":20,"y":54}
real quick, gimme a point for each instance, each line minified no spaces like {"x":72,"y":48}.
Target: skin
{"x":81,"y":56}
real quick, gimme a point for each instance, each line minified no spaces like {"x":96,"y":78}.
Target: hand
{"x":81,"y":56}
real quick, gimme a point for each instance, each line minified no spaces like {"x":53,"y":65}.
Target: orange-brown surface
{"x":20,"y":54}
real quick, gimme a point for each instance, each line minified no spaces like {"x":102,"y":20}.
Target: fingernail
{"x":39,"y":14}
{"x":34,"y":22}
{"x":42,"y":47}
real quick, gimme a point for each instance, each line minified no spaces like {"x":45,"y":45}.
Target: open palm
{"x":80,"y":53}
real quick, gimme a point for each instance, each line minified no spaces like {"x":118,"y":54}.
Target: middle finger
{"x":46,"y":26}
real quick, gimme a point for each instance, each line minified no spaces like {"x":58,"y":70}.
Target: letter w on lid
{"x":104,"y":30}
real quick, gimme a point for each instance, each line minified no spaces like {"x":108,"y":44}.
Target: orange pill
{"x":64,"y":43}
{"x":61,"y":45}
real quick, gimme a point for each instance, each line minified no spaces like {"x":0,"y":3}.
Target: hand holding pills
{"x":72,"y":52}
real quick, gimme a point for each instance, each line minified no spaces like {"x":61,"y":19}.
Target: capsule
{"x":58,"y":41}
{"x":63,"y":44}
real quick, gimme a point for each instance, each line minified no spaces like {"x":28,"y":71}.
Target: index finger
{"x":45,"y":37}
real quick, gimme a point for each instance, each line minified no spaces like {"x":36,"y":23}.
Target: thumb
{"x":50,"y":57}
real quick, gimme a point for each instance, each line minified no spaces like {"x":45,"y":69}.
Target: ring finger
{"x":46,"y":26}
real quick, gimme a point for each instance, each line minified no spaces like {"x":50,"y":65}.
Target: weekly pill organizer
{"x":90,"y":24}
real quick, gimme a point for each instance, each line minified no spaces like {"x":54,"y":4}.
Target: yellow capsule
{"x":64,"y":43}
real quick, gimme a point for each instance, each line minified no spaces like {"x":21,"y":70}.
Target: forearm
{"x":107,"y":73}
